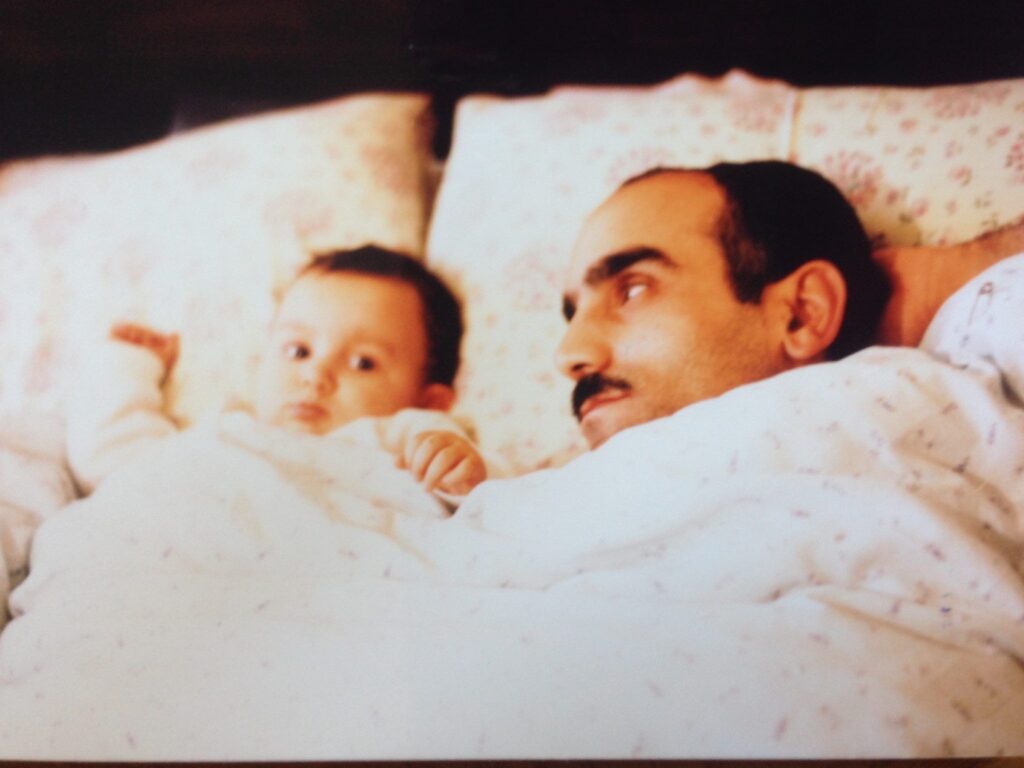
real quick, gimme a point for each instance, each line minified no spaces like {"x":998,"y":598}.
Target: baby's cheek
{"x":353,"y":402}
{"x":395,"y":395}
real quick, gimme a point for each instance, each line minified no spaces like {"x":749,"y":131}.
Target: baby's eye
{"x":296,"y":350}
{"x":362,"y":363}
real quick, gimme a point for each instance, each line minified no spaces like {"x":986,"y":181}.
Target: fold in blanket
{"x":32,"y":486}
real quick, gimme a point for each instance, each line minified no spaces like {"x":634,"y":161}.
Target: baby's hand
{"x":443,"y":460}
{"x":164,"y":346}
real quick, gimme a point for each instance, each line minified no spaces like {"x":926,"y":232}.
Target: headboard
{"x":109,"y":74}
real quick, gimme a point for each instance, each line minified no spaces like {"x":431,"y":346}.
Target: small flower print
{"x":962,"y":175}
{"x":1015,"y":160}
{"x":757,"y":115}
{"x":856,"y":174}
{"x":637,"y":161}
{"x":966,"y":101}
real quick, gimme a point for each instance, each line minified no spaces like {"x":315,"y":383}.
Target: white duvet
{"x":34,"y":483}
{"x":825,"y":564}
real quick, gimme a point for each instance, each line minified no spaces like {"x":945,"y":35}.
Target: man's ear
{"x":814,"y":296}
{"x":436,"y":397}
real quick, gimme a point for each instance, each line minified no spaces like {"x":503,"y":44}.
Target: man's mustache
{"x":594,"y":384}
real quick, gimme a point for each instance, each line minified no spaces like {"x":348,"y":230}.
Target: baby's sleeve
{"x":115,"y":411}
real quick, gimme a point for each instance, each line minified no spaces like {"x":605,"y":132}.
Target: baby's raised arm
{"x":164,"y":346}
{"x":117,"y":408}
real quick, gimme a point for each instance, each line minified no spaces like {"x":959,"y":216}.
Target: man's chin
{"x":598,"y":428}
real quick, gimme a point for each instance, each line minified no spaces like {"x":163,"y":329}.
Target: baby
{"x":360,"y":333}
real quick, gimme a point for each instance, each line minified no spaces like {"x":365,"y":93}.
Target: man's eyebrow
{"x":614,"y":263}
{"x":611,"y":265}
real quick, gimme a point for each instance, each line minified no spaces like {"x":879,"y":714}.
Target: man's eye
{"x":362,"y":363}
{"x":296,"y":351}
{"x":632,"y":290}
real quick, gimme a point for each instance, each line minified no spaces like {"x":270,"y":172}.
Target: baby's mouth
{"x":306,"y":411}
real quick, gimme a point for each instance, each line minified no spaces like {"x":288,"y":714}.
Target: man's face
{"x":654,"y":324}
{"x":343,"y":345}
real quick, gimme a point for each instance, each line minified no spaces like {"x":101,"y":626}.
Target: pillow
{"x":921,"y":165}
{"x":522,"y":175}
{"x":193,"y":233}
{"x":981,"y":326}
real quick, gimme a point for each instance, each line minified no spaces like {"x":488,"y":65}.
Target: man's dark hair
{"x":442,"y":316}
{"x":779,"y":216}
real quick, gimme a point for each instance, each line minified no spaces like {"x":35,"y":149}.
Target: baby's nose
{"x":320,"y":377}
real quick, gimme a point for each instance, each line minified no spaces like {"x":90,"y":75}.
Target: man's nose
{"x":584,"y":350}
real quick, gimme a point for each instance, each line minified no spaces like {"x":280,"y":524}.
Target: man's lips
{"x":306,"y":411}
{"x":596,"y":389}
{"x":591,"y":403}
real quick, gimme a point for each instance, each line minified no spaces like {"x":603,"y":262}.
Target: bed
{"x":826,"y":564}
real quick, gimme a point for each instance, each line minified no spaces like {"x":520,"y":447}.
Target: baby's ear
{"x":436,"y":397}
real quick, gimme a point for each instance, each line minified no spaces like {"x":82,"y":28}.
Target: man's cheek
{"x":657,"y":347}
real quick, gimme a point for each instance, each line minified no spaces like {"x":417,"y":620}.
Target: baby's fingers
{"x":170,"y":350}
{"x":443,"y":462}
{"x":164,"y":346}
{"x":420,"y":451}
{"x":464,"y":477}
{"x":133,"y":334}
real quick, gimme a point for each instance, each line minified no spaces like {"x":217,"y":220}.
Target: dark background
{"x":87,"y":75}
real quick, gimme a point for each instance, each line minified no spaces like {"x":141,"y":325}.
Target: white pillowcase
{"x":922,"y":166}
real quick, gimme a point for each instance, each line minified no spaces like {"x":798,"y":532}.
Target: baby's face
{"x":343,"y":345}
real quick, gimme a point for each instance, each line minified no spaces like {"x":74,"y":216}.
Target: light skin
{"x":653,"y":322}
{"x":344,"y":346}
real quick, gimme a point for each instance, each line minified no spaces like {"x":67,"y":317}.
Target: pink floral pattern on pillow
{"x":1015,"y":160}
{"x":858,"y":174}
{"x":194,"y":233}
{"x":303,"y":210}
{"x":757,"y":114}
{"x":966,"y":101}
{"x":921,"y":165}
{"x":52,"y":227}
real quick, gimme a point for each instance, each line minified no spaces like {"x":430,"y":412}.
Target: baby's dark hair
{"x":442,"y":316}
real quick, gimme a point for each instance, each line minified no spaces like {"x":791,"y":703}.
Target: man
{"x":688,"y":283}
